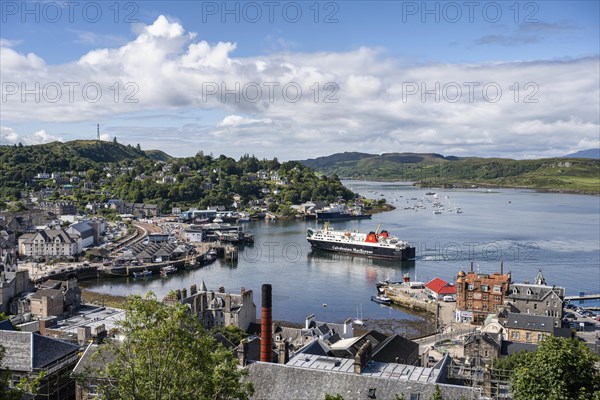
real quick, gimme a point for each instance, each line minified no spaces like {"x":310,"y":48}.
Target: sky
{"x":303,"y":79}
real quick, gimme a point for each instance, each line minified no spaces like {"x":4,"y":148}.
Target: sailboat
{"x":358,"y":321}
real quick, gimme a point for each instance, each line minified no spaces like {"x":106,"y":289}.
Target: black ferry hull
{"x":408,"y":253}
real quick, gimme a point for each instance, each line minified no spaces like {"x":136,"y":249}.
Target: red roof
{"x":440,"y":286}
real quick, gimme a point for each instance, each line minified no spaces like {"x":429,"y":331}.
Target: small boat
{"x":381,"y":286}
{"x":381,"y":299}
{"x":210,"y":255}
{"x":429,"y":193}
{"x":459,"y":210}
{"x":142,"y":274}
{"x":437,"y":212}
{"x":217,"y":220}
{"x":168,"y":270}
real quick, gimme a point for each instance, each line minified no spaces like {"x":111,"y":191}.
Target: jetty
{"x":583,"y":297}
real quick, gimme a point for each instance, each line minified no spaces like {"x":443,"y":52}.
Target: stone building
{"x":478,"y":295}
{"x":47,"y":302}
{"x":538,"y":298}
{"x":526,"y":328}
{"x":481,"y":348}
{"x":218,"y":308}
{"x":12,"y":284}
{"x":29,"y":354}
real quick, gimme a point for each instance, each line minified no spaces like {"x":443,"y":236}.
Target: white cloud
{"x":236,"y":120}
{"x":553,"y":107}
{"x":9,"y":136}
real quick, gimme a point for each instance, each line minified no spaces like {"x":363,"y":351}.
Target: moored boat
{"x":142,"y":274}
{"x":168,"y":270}
{"x":381,"y":299}
{"x":373,"y":244}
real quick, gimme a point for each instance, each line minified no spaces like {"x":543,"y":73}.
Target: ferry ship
{"x":372,"y":244}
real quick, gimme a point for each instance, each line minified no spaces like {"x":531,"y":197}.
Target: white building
{"x":49,"y":243}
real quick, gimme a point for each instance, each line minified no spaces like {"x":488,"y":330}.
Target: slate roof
{"x":49,"y":235}
{"x":330,"y":375}
{"x":84,"y":229}
{"x":532,"y":292}
{"x":395,"y":349}
{"x":88,"y":362}
{"x":51,"y":284}
{"x":45,"y":292}
{"x":530,"y":322}
{"x":26,"y":351}
{"x":5,"y":325}
{"x":509,"y":347}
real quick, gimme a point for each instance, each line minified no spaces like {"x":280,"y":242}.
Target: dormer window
{"x":515,"y":291}
{"x":529,"y":292}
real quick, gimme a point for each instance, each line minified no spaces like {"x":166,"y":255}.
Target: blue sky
{"x":381,"y":55}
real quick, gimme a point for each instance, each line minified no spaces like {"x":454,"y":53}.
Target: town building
{"x":12,"y":284}
{"x":527,"y":328}
{"x":8,"y":258}
{"x":47,"y":302}
{"x":439,"y":288}
{"x":538,"y":299}
{"x":478,"y":295}
{"x":49,"y":243}
{"x":30,"y":354}
{"x":218,"y":308}
{"x":482,"y":348}
{"x":59,"y":207}
{"x":85,"y":231}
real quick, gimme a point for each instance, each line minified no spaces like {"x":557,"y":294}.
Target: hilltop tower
{"x":98,"y":132}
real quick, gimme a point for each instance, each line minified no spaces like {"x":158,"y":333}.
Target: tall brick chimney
{"x":266,"y":325}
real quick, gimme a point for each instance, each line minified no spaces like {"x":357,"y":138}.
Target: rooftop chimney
{"x":266,"y":325}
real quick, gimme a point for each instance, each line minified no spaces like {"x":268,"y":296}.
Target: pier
{"x":584,"y":297}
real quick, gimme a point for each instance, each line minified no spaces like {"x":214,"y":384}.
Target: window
{"x":484,"y":297}
{"x":514,"y":335}
{"x":497,"y":288}
{"x":528,"y":336}
{"x":469,"y":295}
{"x":497,"y":298}
{"x":415,"y":396}
{"x":470,"y":287}
{"x":469,"y":305}
{"x":540,"y":336}
{"x":484,"y":288}
{"x":485,"y":306}
{"x":535,"y":306}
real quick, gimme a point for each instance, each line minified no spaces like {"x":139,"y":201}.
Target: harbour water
{"x":527,"y":230}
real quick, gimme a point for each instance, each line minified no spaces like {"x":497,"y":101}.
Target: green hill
{"x":159,"y":155}
{"x":562,"y":174}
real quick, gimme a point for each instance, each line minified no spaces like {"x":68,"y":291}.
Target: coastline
{"x":468,"y":186}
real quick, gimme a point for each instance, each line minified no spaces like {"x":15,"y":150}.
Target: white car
{"x":448,"y":298}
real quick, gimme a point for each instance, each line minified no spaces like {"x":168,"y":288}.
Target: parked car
{"x":448,"y":298}
{"x":597,"y":318}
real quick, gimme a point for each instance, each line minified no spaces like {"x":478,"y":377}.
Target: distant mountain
{"x":438,"y":170}
{"x":589,"y":153}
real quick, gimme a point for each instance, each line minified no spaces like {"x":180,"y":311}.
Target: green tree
{"x":233,"y":333}
{"x":167,"y":354}
{"x":336,"y":396}
{"x":437,"y":394}
{"x":560,"y":369}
